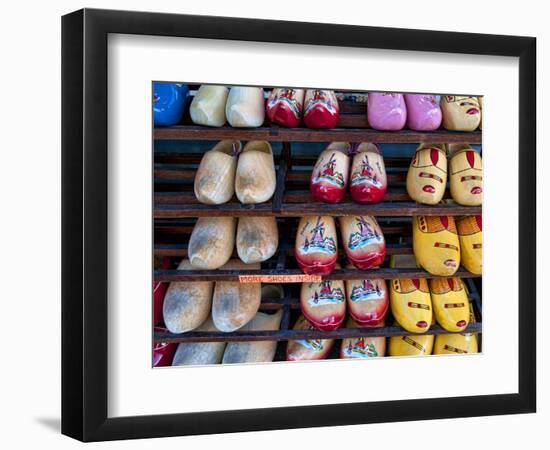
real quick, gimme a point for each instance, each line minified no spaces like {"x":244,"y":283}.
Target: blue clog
{"x":169,"y":102}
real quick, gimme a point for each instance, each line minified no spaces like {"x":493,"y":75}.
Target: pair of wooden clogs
{"x":414,"y":305}
{"x":324,"y":304}
{"x":329,"y":179}
{"x":427,"y":175}
{"x":213,"y":239}
{"x":439,"y":249}
{"x":319,"y":107}
{"x":226,"y":170}
{"x":242,"y":107}
{"x":204,"y":353}
{"x":316,"y":246}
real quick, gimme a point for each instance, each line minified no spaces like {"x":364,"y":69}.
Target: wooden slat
{"x":284,"y":335}
{"x":274,"y":133}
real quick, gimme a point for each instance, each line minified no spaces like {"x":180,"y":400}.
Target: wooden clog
{"x":427,"y":175}
{"x":208,"y":106}
{"x":386,"y":111}
{"x":410,"y":299}
{"x":455,"y":344}
{"x":471,"y":238}
{"x":367,"y":300}
{"x":159,"y":289}
{"x":324,"y":304}
{"x":450,"y":302}
{"x":466,"y":175}
{"x":460,"y":113}
{"x":257,"y":238}
{"x":436,"y":245}
{"x":368,"y":181}
{"x":245,"y":107}
{"x":480,"y":101}
{"x":254,"y":351}
{"x":363,"y":347}
{"x":215,"y":177}
{"x":212,"y":241}
{"x":187,"y":304}
{"x":234,"y":304}
{"x":255,"y":179}
{"x":199,"y":353}
{"x":163,"y":352}
{"x":321,"y":109}
{"x":363,"y":241}
{"x":423,"y":112}
{"x":416,"y":345}
{"x":169,"y":101}
{"x":316,"y":247}
{"x":307,"y":349}
{"x":284,"y":106}
{"x":329,"y":178}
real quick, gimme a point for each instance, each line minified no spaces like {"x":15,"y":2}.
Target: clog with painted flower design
{"x":386,"y":111}
{"x":169,"y":102}
{"x":410,"y":299}
{"x":363,"y":347}
{"x":329,"y":178}
{"x":368,"y":181}
{"x":324,"y":304}
{"x":471,"y":237}
{"x":284,"y":106}
{"x":307,"y":349}
{"x":466,"y":175}
{"x":316,"y":247}
{"x":427,"y":175}
{"x":460,"y":113}
{"x":423,"y":112}
{"x":417,"y":345}
{"x":363,"y":241}
{"x":163,"y":352}
{"x":436,"y":245}
{"x":367,"y":300}
{"x":450,"y":302}
{"x":321,"y":109}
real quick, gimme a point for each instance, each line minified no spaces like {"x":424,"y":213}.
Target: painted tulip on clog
{"x":450,"y":302}
{"x":427,"y":175}
{"x":386,"y":111}
{"x":436,"y":245}
{"x":460,"y":113}
{"x":245,"y":107}
{"x":307,"y":349}
{"x":367,"y":300}
{"x":234,"y":304}
{"x":466,"y":172}
{"x":212,"y":241}
{"x":455,"y":344}
{"x":257,"y":238}
{"x":254,"y":351}
{"x":187,"y":303}
{"x":363,"y":347}
{"x":169,"y":102}
{"x":255,"y":179}
{"x":284,"y":106}
{"x":316,"y":247}
{"x":324,"y":304}
{"x":363,"y":241}
{"x":215,"y":178}
{"x":329,"y":178}
{"x":200,"y":353}
{"x":471,"y":238}
{"x":321,"y":109}
{"x":368,"y":182}
{"x":208,"y":106}
{"x":163,"y":352}
{"x":410,"y":299}
{"x":417,"y":345}
{"x":423,"y":112}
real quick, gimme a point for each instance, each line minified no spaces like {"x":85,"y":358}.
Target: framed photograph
{"x":273,"y":225}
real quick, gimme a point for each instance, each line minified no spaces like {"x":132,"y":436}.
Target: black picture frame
{"x":84,"y":224}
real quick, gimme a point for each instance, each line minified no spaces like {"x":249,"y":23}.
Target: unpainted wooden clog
{"x":208,"y":106}
{"x":255,"y":180}
{"x":257,"y":238}
{"x":245,"y":107}
{"x":211,"y":243}
{"x":199,"y":353}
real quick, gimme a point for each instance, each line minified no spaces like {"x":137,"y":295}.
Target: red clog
{"x":329,"y":178}
{"x":284,"y":107}
{"x":321,"y":109}
{"x":316,"y":247}
{"x":324,"y":304}
{"x":363,"y":241}
{"x":367,"y":301}
{"x":368,"y":182}
{"x":163,"y":352}
{"x":159,"y":291}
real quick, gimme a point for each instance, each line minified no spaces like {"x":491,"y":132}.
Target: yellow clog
{"x":450,"y":302}
{"x":460,"y":113}
{"x":427,"y":175}
{"x":470,"y":236}
{"x":466,"y":175}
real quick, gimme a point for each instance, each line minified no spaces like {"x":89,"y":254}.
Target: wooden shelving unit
{"x":176,"y":209}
